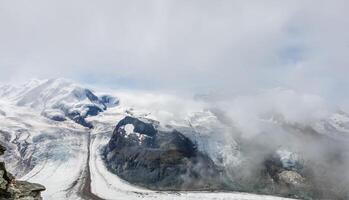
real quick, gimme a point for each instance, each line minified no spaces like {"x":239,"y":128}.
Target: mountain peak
{"x":59,"y":99}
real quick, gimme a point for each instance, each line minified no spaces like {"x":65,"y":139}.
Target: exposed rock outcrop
{"x":286,"y":178}
{"x":142,"y":154}
{"x":11,"y":189}
{"x":292,"y":178}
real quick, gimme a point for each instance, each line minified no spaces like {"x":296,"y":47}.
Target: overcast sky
{"x":180,"y":45}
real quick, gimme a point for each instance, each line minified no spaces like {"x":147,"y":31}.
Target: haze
{"x":184,"y":46}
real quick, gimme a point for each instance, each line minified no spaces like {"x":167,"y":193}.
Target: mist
{"x":243,"y":132}
{"x":183,"y":46}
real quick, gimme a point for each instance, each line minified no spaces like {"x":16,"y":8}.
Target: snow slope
{"x":58,"y":99}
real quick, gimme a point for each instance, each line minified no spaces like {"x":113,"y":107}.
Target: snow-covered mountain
{"x":40,"y":124}
{"x":59,"y":99}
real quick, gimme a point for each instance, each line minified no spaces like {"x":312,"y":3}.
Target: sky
{"x":183,"y":45}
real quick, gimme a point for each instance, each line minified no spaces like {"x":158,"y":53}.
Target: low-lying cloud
{"x":189,"y":46}
{"x":242,"y":132}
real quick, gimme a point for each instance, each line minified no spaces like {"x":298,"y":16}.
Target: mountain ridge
{"x":59,"y":99}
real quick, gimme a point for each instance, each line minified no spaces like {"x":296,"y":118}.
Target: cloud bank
{"x":189,"y":46}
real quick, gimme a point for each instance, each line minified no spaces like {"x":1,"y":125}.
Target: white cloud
{"x":180,"y":45}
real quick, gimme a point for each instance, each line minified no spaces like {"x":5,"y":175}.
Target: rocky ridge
{"x":12,"y":189}
{"x":143,"y":154}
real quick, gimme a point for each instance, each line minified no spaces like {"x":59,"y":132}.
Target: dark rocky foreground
{"x":162,"y":160}
{"x":11,"y":189}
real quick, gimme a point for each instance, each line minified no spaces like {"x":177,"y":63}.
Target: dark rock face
{"x":93,"y":98}
{"x":57,"y":118}
{"x":109,"y":101}
{"x":77,"y":117}
{"x":285,"y":181}
{"x":166,"y":160}
{"x":2,"y":150}
{"x":10,"y":189}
